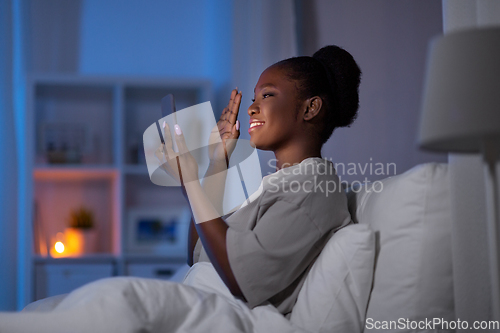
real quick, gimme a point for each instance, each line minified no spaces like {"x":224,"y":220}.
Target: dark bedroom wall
{"x":388,"y":39}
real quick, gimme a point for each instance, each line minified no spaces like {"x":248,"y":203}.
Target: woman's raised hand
{"x":227,"y":129}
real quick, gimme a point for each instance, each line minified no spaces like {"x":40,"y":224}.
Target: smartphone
{"x":167,"y":107}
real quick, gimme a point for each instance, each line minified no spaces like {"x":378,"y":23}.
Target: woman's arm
{"x":213,"y":183}
{"x":221,"y":143}
{"x":212,"y":230}
{"x":192,"y":239}
{"x":210,"y":227}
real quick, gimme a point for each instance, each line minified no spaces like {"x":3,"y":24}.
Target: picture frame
{"x":158,"y":231}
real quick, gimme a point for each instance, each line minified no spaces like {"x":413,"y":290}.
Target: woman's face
{"x":274,"y":122}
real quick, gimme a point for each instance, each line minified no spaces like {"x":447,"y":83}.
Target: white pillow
{"x":335,"y":293}
{"x":411,"y":217}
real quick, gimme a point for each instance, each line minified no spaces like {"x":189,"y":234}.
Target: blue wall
{"x":8,"y":174}
{"x":157,"y":38}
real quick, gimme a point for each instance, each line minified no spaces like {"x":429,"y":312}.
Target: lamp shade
{"x":461,"y":98}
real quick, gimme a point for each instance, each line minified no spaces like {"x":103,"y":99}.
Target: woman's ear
{"x":313,"y":107}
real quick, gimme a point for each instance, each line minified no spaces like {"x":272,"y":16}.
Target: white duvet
{"x":127,"y":304}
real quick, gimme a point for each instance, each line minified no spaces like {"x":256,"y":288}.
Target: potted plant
{"x":81,"y":235}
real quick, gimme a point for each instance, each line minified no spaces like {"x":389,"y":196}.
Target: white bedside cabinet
{"x":60,"y":278}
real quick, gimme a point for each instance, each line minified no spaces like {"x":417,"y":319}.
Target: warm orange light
{"x":74,"y":242}
{"x":59,"y":247}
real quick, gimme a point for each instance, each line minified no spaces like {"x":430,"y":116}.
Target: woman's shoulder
{"x":314,"y":187}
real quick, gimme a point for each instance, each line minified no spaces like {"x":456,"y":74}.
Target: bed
{"x":388,"y":271}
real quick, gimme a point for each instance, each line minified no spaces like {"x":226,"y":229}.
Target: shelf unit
{"x":94,"y":126}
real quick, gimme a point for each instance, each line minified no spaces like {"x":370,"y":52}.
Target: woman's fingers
{"x":160,"y":155}
{"x":188,"y":166}
{"x":227,"y":110}
{"x":163,"y":159}
{"x":179,"y":139}
{"x":234,"y":92}
{"x":235,"y":109}
{"x":168,"y":140}
{"x":223,"y":115}
{"x":235,"y":131}
{"x":166,"y":154}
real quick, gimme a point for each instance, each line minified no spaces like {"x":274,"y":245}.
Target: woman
{"x":264,"y":250}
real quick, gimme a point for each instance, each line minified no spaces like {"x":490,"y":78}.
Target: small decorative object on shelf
{"x":64,"y":142}
{"x":81,"y":235}
{"x":82,"y":218}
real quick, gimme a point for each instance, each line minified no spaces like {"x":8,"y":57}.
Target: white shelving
{"x":99,"y":122}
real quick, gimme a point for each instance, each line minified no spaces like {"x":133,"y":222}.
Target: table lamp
{"x":461,"y":114}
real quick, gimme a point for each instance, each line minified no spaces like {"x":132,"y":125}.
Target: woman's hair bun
{"x":344,"y":77}
{"x":332,"y":74}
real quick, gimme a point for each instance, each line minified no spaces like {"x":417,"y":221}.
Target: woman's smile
{"x":254,"y":124}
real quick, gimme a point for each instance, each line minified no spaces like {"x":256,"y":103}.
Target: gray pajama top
{"x":273,"y":240}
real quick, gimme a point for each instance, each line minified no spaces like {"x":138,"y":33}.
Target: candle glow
{"x":59,"y":247}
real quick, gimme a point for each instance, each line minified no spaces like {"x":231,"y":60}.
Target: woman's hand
{"x":182,"y":165}
{"x":228,"y":129}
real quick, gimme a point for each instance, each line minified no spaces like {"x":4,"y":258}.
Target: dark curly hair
{"x":332,"y":74}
